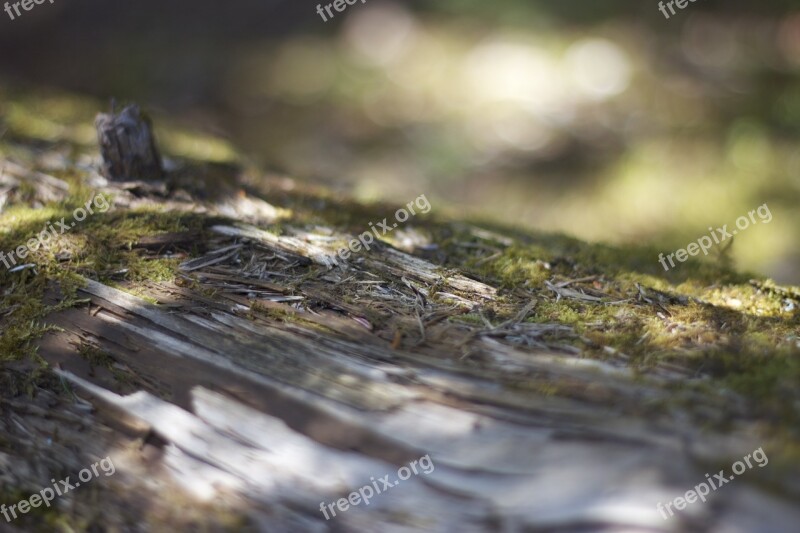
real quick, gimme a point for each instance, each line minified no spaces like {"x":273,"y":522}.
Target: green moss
{"x":99,"y":247}
{"x":273,"y":313}
{"x":517,"y":266}
{"x":24,"y":308}
{"x":49,"y":515}
{"x":704,"y":315}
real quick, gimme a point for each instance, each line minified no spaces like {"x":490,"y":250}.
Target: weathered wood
{"x":48,"y":188}
{"x":394,"y":262}
{"x":494,"y":443}
{"x":265,"y":376}
{"x":128,"y":146}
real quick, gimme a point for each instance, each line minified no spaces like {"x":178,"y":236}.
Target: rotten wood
{"x":128,"y":146}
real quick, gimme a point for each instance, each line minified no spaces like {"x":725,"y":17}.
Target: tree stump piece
{"x":128,"y":146}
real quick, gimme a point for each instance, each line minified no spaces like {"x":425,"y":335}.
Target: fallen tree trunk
{"x":230,"y":373}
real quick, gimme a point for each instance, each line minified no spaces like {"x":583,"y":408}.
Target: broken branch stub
{"x":128,"y":146}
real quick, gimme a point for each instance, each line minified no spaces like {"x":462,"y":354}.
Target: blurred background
{"x":603,"y":120}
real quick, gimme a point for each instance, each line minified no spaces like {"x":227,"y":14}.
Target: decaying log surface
{"x":260,"y":383}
